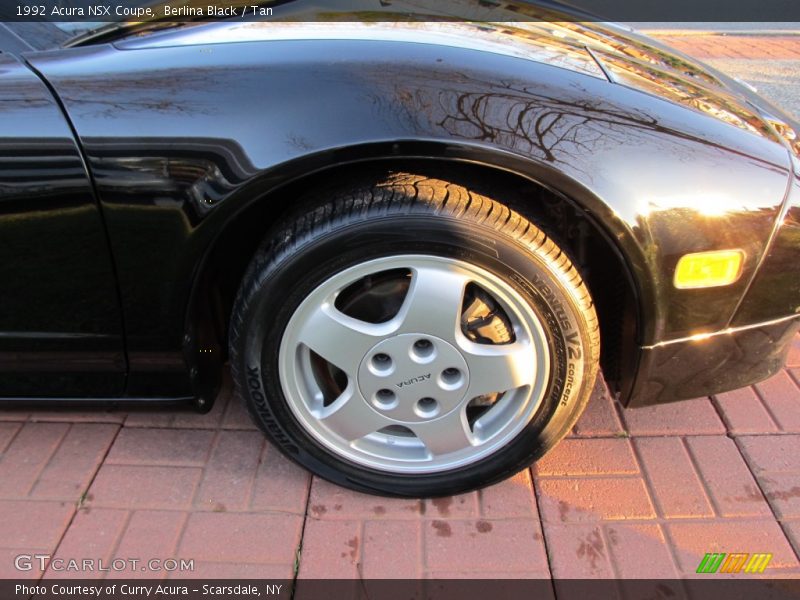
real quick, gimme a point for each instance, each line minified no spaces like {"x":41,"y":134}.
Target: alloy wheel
{"x":414,"y":364}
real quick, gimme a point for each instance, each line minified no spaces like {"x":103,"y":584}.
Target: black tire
{"x":406,"y":214}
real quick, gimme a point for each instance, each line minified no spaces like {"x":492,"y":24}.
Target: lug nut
{"x":451,"y":379}
{"x":382,"y":362}
{"x":427,"y":407}
{"x":422,"y":349}
{"x":451,"y":375}
{"x":385,"y":399}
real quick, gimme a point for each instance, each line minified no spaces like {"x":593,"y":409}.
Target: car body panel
{"x":602,"y":50}
{"x":60,"y":322}
{"x":704,"y":364}
{"x":775,"y":290}
{"x":184,"y":134}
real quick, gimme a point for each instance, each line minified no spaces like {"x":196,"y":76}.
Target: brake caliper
{"x":483,"y":321}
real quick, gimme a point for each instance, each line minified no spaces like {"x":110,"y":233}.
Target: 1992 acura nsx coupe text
{"x":417,"y":243}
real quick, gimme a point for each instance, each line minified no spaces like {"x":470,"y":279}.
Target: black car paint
{"x":181,"y":139}
{"x":60,"y":319}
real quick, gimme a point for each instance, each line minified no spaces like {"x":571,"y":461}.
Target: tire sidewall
{"x":277,"y":287}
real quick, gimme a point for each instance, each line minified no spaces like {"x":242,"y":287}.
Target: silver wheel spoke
{"x":411,"y":376}
{"x":351,"y":417}
{"x":447,"y":434}
{"x":433,"y":302}
{"x":338,"y":338}
{"x":498,"y":368}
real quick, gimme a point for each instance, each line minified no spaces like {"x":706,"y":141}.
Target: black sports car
{"x":416,"y":242}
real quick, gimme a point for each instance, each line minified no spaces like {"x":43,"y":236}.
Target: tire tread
{"x":406,"y":193}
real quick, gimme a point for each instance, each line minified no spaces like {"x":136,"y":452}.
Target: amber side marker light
{"x":708,"y":269}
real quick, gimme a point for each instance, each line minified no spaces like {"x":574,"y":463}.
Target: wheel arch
{"x":612,"y":250}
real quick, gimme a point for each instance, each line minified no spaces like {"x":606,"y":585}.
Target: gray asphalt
{"x":776,"y":80}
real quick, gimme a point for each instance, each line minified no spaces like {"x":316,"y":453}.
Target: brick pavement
{"x":735,"y":46}
{"x":631,"y":494}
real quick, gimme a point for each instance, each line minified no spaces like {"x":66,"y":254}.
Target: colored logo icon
{"x":719,"y":562}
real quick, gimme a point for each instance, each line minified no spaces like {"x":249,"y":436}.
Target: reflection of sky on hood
{"x":545,"y":43}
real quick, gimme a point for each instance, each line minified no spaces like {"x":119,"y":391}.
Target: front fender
{"x":179,"y":139}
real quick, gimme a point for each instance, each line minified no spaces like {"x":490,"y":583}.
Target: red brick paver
{"x":676,"y":486}
{"x":92,"y":533}
{"x":690,"y":542}
{"x":695,"y":417}
{"x":736,"y":46}
{"x":775,"y":462}
{"x":781,"y":397}
{"x":743,"y":412}
{"x":241,"y":537}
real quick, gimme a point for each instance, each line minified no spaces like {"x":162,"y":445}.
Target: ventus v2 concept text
{"x":416,"y":243}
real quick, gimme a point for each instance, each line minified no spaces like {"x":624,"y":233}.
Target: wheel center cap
{"x":413,"y":377}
